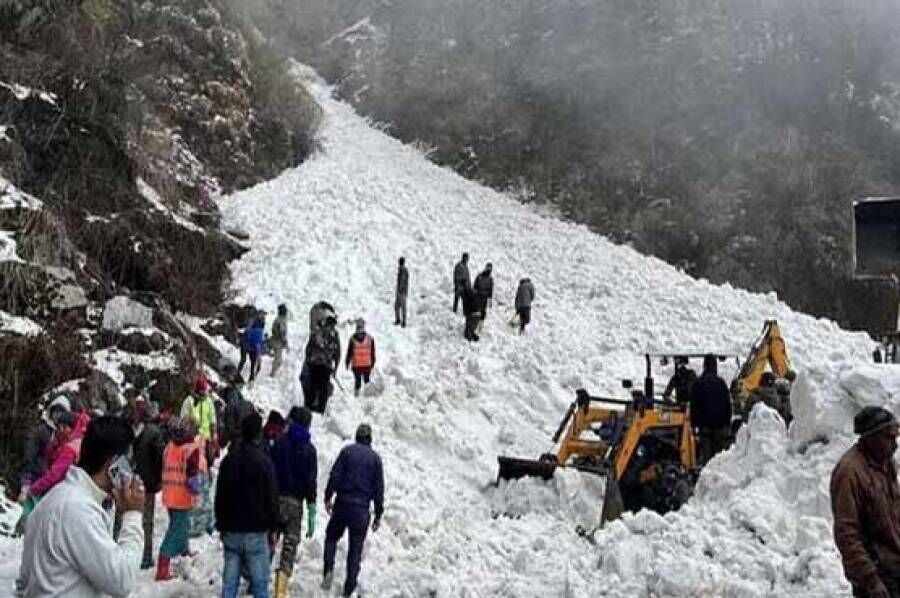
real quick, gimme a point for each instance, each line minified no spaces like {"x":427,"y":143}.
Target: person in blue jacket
{"x":253,"y":341}
{"x":356,"y":479}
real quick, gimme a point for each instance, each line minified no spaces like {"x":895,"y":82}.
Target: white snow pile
{"x":443,"y":409}
{"x":22,"y":93}
{"x":11,"y":197}
{"x":19,"y":325}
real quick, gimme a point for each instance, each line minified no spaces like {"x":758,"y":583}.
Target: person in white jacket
{"x":69,"y":548}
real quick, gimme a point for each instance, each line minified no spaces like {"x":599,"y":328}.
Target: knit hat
{"x":360,"y":325}
{"x":872,"y":419}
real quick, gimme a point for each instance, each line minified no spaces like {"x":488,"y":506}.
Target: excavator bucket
{"x":514,"y":469}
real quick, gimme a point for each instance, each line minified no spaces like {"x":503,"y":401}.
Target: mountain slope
{"x":333,"y":229}
{"x":442,"y":408}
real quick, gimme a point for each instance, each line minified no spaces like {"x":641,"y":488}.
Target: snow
{"x":121,"y":312}
{"x":443,"y":409}
{"x":11,"y":197}
{"x":3,"y":132}
{"x":22,"y":326}
{"x":111,"y":361}
{"x":8,"y":247}
{"x":151,"y":195}
{"x":23,"y":93}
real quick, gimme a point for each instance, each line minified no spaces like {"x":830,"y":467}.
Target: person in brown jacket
{"x":865,"y":502}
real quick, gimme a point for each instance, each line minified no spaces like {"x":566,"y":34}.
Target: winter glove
{"x":310,"y":519}
{"x":376,"y":523}
{"x":195,"y":484}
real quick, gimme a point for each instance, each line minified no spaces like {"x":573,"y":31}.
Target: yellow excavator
{"x":645,"y":447}
{"x":768,"y":354}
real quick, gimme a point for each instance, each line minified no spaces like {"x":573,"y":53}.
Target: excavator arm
{"x":770,"y":351}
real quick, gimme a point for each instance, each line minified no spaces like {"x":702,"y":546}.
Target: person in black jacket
{"x":473,"y":316}
{"x":710,"y":411}
{"x":296,"y":468}
{"x":461,"y":280}
{"x":357,"y":478}
{"x":401,"y":294}
{"x":484,"y":289}
{"x":247,"y":512}
{"x":236,"y":409}
{"x":149,"y":444}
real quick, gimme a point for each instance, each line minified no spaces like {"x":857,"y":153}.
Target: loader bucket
{"x":514,"y":469}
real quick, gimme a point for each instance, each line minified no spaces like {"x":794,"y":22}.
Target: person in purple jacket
{"x":356,"y":479}
{"x":253,"y":340}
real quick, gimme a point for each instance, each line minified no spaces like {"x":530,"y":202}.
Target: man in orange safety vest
{"x":360,"y":356}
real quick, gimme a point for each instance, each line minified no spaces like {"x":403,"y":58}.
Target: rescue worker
{"x":865,"y":502}
{"x":681,"y":382}
{"x":247,"y":512}
{"x":710,"y":411}
{"x":323,"y":354}
{"x":473,"y":316}
{"x":524,"y":299}
{"x":149,"y":447}
{"x":461,"y":280}
{"x":199,"y":405}
{"x":295,"y":461}
{"x":484,"y":289}
{"x":357,"y":478}
{"x":183,"y":461}
{"x":69,"y":550}
{"x":401,"y":294}
{"x":279,"y":338}
{"x":360,"y":356}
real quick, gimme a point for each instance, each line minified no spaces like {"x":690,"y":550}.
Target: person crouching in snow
{"x":181,"y":484}
{"x":360,"y":356}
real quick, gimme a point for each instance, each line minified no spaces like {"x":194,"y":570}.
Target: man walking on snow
{"x":357,"y":478}
{"x":524,"y":299}
{"x":401,"y":294}
{"x":484,"y":289}
{"x":296,"y":467}
{"x":278,"y":340}
{"x":247,"y":512}
{"x":360,"y":356}
{"x":323,"y":354}
{"x":473,"y":316}
{"x":865,"y":502}
{"x":461,"y":279}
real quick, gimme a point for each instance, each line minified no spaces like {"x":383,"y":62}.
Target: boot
{"x":281,"y":585}
{"x":162,"y":569}
{"x":327,"y":579}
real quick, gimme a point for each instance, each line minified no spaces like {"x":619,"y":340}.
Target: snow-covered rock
{"x":121,"y":313}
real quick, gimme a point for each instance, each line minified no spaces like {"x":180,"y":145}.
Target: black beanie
{"x":872,"y":419}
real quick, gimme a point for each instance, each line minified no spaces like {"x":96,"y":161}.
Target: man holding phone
{"x":81,"y":558}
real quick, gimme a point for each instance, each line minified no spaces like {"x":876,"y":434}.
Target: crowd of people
{"x":91,"y":485}
{"x":90,"y":481}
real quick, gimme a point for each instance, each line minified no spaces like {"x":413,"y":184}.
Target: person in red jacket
{"x":62,"y":454}
{"x":360,"y":356}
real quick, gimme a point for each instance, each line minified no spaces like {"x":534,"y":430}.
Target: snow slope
{"x":443,"y":409}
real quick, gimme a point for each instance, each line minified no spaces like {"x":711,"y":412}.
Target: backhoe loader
{"x":644,"y":447}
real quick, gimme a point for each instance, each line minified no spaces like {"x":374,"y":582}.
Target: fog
{"x":728,"y":137}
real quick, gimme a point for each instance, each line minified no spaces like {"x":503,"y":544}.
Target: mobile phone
{"x":120,"y":472}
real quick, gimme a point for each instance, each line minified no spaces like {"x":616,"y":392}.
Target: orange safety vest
{"x":175,"y":493}
{"x":362,"y":353}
